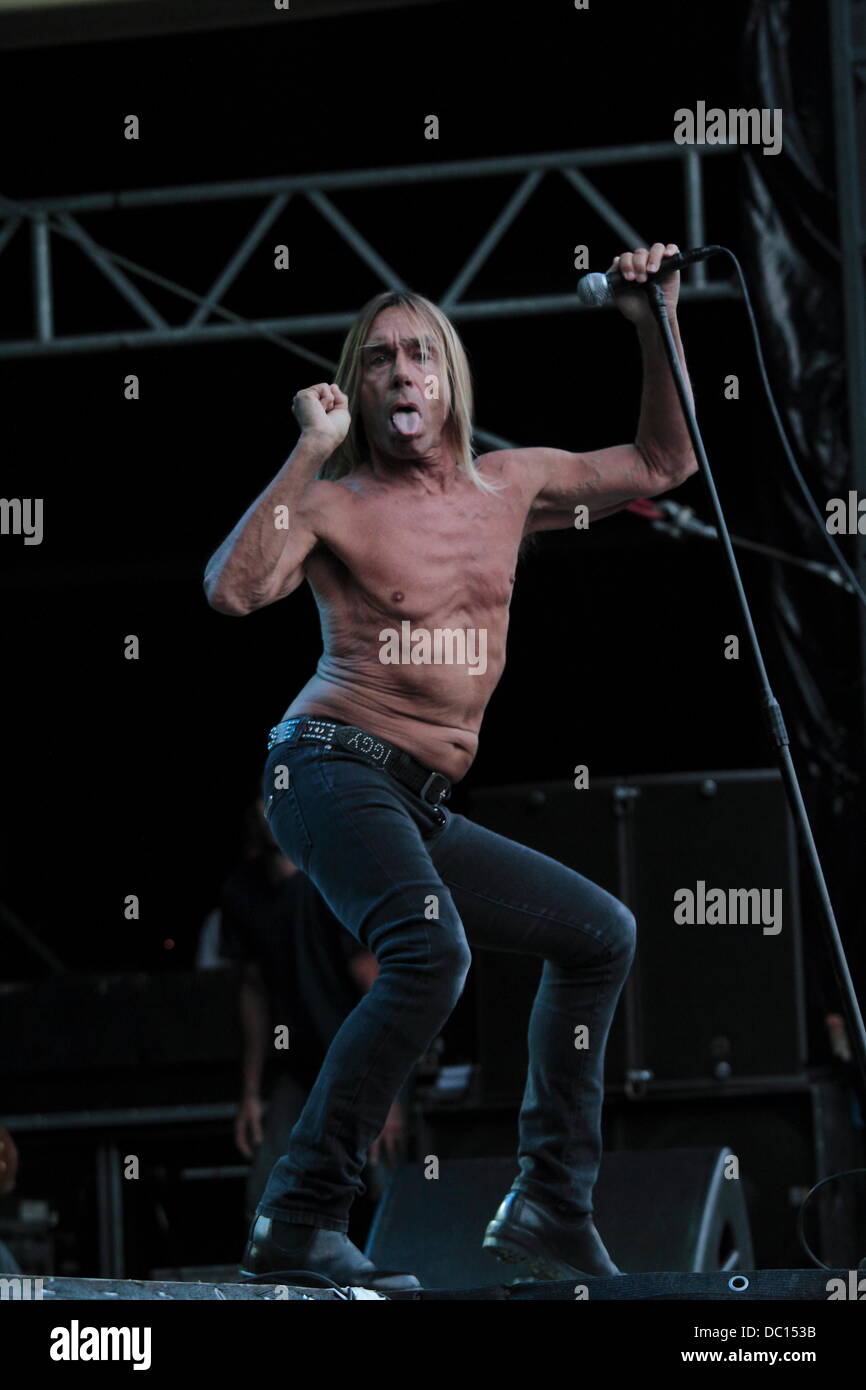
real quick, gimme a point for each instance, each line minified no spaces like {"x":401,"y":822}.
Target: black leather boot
{"x":280,"y":1252}
{"x":552,"y":1247}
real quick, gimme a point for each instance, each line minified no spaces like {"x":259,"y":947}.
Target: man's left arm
{"x":661,"y":457}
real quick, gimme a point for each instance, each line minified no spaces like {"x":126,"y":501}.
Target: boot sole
{"x":513,"y":1247}
{"x":302,"y":1278}
{"x":295,"y":1277}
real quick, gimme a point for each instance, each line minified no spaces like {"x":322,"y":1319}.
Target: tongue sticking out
{"x":406,"y":422}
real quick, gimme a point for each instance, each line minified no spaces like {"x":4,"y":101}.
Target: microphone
{"x":597,"y":289}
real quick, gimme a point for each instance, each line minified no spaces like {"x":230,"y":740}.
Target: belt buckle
{"x":318,"y":731}
{"x":442,"y":795}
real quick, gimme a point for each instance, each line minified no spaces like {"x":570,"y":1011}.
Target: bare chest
{"x":442,"y":556}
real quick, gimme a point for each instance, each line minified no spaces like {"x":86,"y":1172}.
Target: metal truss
{"x":46,"y":218}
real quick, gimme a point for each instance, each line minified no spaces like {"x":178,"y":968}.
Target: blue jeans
{"x":417,"y":885}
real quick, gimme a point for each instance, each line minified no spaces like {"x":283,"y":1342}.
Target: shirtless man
{"x":383,"y":510}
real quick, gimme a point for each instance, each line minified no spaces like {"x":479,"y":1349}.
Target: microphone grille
{"x":594,"y":289}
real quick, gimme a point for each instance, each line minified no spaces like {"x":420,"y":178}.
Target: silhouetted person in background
{"x":8,"y":1174}
{"x":301,"y":972}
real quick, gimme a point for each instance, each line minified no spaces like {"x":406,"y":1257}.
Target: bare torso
{"x":391,"y":554}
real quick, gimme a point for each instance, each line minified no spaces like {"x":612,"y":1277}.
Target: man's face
{"x":394,"y":375}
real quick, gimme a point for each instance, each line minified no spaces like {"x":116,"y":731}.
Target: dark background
{"x":131,"y":777}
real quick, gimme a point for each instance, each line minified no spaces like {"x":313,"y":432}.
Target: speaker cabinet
{"x":668,"y":1210}
{"x":705,"y":1001}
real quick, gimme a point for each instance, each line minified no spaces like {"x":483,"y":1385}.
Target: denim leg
{"x":285,"y":1103}
{"x":515,"y":899}
{"x":361,"y":838}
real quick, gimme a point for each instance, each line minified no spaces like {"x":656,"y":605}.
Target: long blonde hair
{"x":428,"y":321}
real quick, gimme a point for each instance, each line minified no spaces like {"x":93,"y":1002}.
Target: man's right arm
{"x":262,"y":560}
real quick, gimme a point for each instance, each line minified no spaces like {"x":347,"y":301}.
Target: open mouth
{"x":406,"y":420}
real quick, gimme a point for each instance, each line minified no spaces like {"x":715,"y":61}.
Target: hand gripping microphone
{"x":597,"y":289}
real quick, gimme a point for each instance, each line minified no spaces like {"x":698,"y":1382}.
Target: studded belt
{"x":430,"y":786}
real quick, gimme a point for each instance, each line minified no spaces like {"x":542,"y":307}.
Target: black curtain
{"x":793,"y":266}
